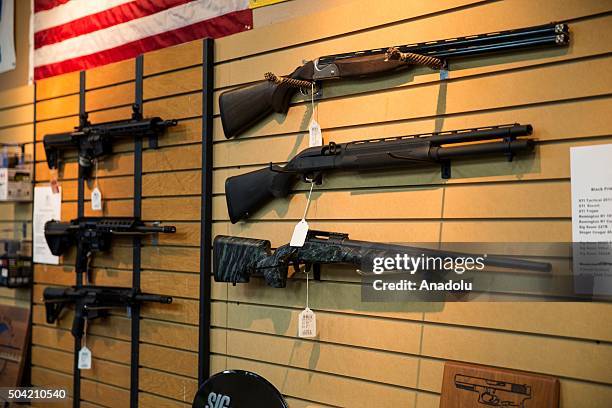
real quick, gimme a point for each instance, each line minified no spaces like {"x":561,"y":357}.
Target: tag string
{"x":312,"y":183}
{"x":307,"y":282}
{"x":84,"y":339}
{"x":96,"y":173}
{"x":312,"y":99}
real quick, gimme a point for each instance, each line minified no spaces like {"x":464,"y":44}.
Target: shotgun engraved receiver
{"x":243,"y":107}
{"x":248,"y":192}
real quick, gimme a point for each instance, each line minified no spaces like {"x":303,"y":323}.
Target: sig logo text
{"x":218,"y":401}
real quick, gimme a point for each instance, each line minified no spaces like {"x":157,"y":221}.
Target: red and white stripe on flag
{"x":72,"y":35}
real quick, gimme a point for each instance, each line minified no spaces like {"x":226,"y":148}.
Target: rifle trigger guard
{"x":316,"y":178}
{"x":318,"y":91}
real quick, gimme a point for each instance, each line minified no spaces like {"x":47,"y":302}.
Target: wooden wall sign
{"x":14,"y":331}
{"x":470,"y":385}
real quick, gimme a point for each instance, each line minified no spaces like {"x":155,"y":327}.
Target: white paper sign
{"x":47,"y":206}
{"x":7,"y":39}
{"x":591,"y":174}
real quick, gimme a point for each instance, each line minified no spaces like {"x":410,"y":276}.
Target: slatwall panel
{"x":374,"y":354}
{"x":16,"y":126}
{"x":170,"y":263}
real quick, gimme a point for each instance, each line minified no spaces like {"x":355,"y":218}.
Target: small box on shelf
{"x":15,"y":173}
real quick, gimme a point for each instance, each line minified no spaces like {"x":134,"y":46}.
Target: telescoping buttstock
{"x":246,"y":193}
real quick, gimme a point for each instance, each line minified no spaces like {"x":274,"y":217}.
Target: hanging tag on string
{"x":314,"y":129}
{"x":53,"y":181}
{"x":84,"y":362}
{"x":307,"y":320}
{"x":84,"y":358}
{"x":300,"y":231}
{"x":96,"y":195}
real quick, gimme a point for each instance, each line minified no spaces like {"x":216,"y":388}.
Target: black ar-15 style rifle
{"x":236,"y":259}
{"x":94,"y":234}
{"x":92,"y":302}
{"x":95,"y":141}
{"x":243,"y":107}
{"x":248,"y":192}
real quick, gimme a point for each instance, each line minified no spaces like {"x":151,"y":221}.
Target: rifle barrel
{"x":495,"y":261}
{"x":153,"y":229}
{"x":543,"y":35}
{"x":472,"y":135}
{"x":145,"y":297}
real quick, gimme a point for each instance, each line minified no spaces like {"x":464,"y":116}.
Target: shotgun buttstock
{"x":248,"y":192}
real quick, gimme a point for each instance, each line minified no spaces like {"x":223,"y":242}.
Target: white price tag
{"x":84,"y":358}
{"x":299,"y":234}
{"x":96,"y":200}
{"x":4,"y":273}
{"x":307,"y":323}
{"x":314,"y":130}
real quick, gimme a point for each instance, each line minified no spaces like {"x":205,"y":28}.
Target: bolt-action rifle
{"x":94,"y":141}
{"x":248,"y":192}
{"x":94,"y":234}
{"x":92,"y":302}
{"x":243,"y":107}
{"x":236,"y":259}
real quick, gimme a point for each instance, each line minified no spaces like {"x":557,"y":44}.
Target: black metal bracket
{"x":509,"y":154}
{"x":445,"y":169}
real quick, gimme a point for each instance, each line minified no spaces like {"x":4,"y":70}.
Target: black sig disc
{"x":238,"y":389}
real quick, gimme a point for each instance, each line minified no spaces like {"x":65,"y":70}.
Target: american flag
{"x":72,"y":35}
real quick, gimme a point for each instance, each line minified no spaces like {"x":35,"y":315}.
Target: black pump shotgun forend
{"x":246,"y":193}
{"x":243,"y":107}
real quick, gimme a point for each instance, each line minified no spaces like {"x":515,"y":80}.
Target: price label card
{"x":299,"y":234}
{"x":307,"y":324}
{"x":314,"y":131}
{"x":96,"y":200}
{"x":84,"y":358}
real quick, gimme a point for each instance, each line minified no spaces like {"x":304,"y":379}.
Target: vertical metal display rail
{"x":27,"y":375}
{"x":76,"y":381}
{"x":206,"y":210}
{"x":136,"y":257}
